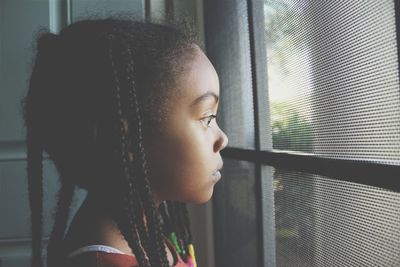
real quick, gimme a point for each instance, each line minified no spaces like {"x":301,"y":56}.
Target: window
{"x":311,"y":103}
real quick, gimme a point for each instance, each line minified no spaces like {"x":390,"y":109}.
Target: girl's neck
{"x":92,"y":225}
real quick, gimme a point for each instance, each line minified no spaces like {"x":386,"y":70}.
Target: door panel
{"x":20,"y":20}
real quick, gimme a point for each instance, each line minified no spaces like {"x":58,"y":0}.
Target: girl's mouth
{"x":217,"y":174}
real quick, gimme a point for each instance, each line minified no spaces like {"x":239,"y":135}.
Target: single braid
{"x":180,"y":220}
{"x":155,"y":229}
{"x":135,"y":187}
{"x":55,"y":249}
{"x":180,"y":231}
{"x":186,"y":223}
{"x":167,"y":224}
{"x":130,"y":231}
{"x":174,"y":233}
{"x":35,"y":187}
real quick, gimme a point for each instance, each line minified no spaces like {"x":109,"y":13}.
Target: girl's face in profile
{"x":184,"y":158}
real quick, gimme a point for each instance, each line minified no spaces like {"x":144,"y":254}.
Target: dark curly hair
{"x":94,"y":91}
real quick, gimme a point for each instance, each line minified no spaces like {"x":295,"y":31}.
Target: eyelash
{"x":208,"y":119}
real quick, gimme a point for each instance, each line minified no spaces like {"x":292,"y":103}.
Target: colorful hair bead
{"x":174,"y":241}
{"x":190,"y":261}
{"x":192,"y":255}
{"x":182,"y":246}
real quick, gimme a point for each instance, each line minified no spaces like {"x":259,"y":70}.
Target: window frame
{"x":357,"y":171}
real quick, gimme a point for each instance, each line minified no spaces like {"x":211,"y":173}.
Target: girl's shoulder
{"x":101,"y":259}
{"x":100,"y":256}
{"x":105,"y":256}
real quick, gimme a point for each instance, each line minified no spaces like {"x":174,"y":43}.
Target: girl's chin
{"x":195,"y":197}
{"x":204,"y":198}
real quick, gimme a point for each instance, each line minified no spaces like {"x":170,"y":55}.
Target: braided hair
{"x":93,"y":90}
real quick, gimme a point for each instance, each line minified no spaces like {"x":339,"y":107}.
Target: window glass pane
{"x":81,"y":9}
{"x":235,"y":215}
{"x":333,"y":78}
{"x":326,"y":222}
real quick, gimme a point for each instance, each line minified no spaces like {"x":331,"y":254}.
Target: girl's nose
{"x":221,"y":142}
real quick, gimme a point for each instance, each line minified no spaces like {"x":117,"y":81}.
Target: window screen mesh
{"x":333,"y":78}
{"x":325,"y":222}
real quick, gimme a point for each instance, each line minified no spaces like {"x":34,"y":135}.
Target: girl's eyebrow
{"x":203,"y":97}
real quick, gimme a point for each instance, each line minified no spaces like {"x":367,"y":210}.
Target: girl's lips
{"x":217,"y":175}
{"x":217,"y":172}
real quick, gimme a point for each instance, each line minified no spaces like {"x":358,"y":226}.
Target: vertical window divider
{"x":263,"y":136}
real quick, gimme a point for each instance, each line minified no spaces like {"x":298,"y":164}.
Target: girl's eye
{"x":208,"y":120}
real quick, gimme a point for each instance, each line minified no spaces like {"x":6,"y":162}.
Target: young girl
{"x":126,"y":110}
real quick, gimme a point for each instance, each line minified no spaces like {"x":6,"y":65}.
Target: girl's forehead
{"x":200,"y":78}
